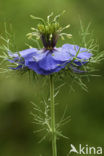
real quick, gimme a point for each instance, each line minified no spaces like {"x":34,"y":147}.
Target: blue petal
{"x":13,"y":55}
{"x":11,"y":61}
{"x":16,"y":68}
{"x":61,"y":54}
{"x":18,"y":56}
{"x":76,"y":70}
{"x":83,"y":53}
{"x":28,"y":52}
{"x":24,"y":53}
{"x":49,"y":63}
{"x":35,"y":67}
{"x":40,"y":54}
{"x":44,"y":60}
{"x":71,"y":49}
{"x":36,"y":56}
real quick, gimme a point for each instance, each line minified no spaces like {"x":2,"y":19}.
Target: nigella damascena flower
{"x":50,"y":59}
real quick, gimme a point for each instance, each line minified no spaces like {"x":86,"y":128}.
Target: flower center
{"x":48,"y":31}
{"x":49,"y":34}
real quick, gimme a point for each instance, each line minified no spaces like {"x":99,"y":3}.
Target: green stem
{"x":54,"y":146}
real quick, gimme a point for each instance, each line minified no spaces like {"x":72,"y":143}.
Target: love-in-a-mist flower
{"x":50,"y":58}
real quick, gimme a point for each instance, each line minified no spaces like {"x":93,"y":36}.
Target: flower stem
{"x":53,"y":127}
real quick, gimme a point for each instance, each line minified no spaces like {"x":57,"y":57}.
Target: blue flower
{"x":47,"y":61}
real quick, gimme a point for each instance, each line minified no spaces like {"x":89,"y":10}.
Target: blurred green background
{"x":86,"y":109}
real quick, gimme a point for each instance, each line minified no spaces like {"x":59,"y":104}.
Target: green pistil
{"x":48,"y":34}
{"x":48,"y":31}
